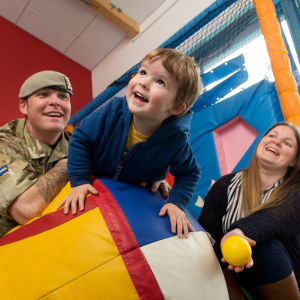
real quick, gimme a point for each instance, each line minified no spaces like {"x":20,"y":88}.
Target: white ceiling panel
{"x":72,"y":15}
{"x":72,"y":27}
{"x":137,"y":10}
{"x":11,"y":9}
{"x":102,"y":35}
{"x":45,"y":30}
{"x":84,"y":55}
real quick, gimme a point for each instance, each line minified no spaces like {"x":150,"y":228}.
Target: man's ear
{"x":177,"y":109}
{"x":23,"y":106}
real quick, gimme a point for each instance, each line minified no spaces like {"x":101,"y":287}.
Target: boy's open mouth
{"x":140,"y":97}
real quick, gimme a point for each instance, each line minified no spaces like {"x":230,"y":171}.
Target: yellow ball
{"x":236,"y":251}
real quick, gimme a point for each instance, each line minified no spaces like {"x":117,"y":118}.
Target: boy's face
{"x":151,"y":93}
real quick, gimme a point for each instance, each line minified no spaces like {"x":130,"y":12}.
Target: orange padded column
{"x":285,"y":82}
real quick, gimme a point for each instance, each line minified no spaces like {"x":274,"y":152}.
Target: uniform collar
{"x":37,"y":149}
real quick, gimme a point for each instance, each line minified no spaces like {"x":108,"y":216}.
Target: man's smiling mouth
{"x":52,"y":114}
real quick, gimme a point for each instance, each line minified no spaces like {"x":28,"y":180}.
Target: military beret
{"x":45,"y":79}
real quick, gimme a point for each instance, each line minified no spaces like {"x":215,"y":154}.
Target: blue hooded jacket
{"x":98,"y":145}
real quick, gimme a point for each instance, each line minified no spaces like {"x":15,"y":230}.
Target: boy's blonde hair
{"x":184,"y":70}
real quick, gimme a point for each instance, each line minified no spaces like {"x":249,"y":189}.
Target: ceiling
{"x":73,"y":28}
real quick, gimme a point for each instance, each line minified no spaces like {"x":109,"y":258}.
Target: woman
{"x":262,"y":204}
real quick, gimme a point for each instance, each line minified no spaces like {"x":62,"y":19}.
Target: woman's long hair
{"x":251,"y":189}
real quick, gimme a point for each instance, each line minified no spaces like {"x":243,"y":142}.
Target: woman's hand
{"x":238,"y":232}
{"x":162,"y":185}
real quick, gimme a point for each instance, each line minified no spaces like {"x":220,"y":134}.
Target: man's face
{"x":47,"y":111}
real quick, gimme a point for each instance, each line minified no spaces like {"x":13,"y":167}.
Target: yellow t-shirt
{"x":134,"y":137}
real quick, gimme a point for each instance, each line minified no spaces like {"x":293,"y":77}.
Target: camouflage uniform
{"x":22,"y":160}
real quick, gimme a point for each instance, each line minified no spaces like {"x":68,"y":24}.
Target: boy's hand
{"x":177,"y":219}
{"x":77,"y":195}
{"x":162,"y":185}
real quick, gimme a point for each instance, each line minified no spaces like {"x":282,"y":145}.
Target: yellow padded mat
{"x":82,"y":249}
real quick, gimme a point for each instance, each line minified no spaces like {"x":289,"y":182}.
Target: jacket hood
{"x":173,"y":126}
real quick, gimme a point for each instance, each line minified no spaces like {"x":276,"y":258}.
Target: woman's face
{"x":277,"y":150}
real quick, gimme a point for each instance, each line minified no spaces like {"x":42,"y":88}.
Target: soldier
{"x":34,"y":150}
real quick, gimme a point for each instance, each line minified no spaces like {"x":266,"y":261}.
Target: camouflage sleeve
{"x":16,"y":174}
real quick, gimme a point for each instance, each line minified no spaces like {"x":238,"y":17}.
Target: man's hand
{"x":177,"y":219}
{"x":162,"y":185}
{"x":77,"y":196}
{"x":34,"y":201}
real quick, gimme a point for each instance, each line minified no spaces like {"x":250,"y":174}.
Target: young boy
{"x":140,"y":137}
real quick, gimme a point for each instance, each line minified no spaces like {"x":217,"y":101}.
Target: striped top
{"x":234,"y":209}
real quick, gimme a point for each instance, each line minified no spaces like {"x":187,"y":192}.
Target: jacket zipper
{"x":121,"y":163}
